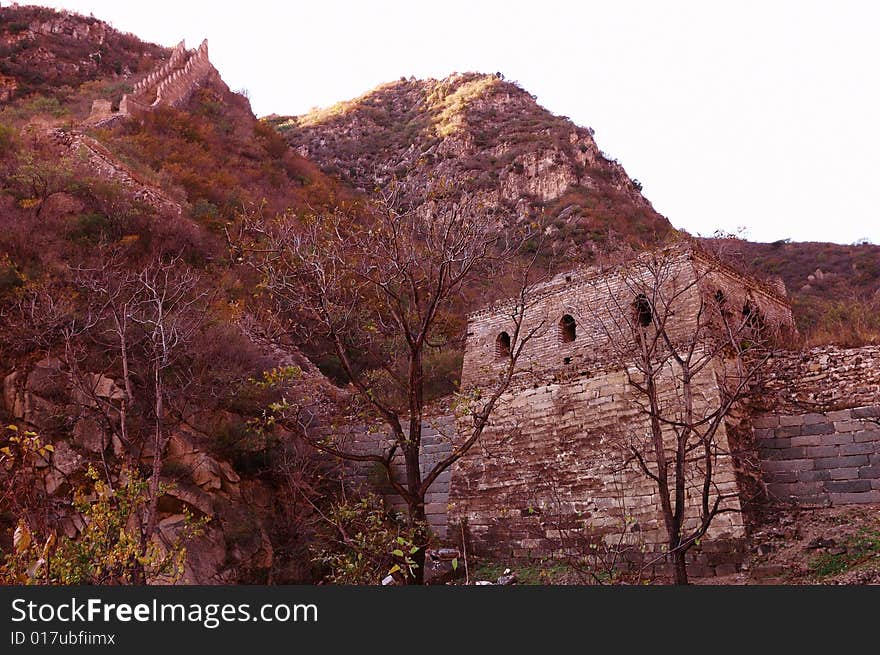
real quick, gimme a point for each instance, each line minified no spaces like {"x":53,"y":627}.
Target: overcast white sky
{"x":764,"y":115}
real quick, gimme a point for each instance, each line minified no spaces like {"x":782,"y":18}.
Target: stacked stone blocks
{"x":829,"y":458}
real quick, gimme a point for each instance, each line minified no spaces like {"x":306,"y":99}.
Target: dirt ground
{"x":828,"y":545}
{"x":805,"y":546}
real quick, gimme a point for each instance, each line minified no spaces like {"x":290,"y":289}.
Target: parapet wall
{"x":823,"y":379}
{"x":176,"y":88}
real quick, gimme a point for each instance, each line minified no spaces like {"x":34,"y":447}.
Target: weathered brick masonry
{"x":819,"y":431}
{"x":550,"y":469}
{"x":437,"y":436}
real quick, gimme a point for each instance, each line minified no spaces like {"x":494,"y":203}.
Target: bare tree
{"x":388,"y":291}
{"x":115,"y":319}
{"x":674,"y":332}
{"x":164,"y":309}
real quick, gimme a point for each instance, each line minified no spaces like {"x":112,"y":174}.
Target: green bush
{"x":361,"y":542}
{"x":92,"y":227}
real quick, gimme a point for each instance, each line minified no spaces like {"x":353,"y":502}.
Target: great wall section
{"x":547,"y":468}
{"x":170,"y":85}
{"x":99,"y":160}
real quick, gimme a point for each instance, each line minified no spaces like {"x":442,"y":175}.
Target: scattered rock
{"x":764,"y":549}
{"x":507,"y":580}
{"x":447,"y":553}
{"x":820,"y":542}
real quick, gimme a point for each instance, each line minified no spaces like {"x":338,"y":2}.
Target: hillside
{"x":487,"y":138}
{"x":101,"y":209}
{"x":93,"y":219}
{"x":834,"y":288}
{"x":44,"y":52}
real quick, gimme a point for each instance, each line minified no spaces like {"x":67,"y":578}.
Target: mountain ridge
{"x":488,"y":138}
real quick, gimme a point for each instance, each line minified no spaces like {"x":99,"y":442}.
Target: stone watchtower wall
{"x":549,"y":472}
{"x":818,"y":427}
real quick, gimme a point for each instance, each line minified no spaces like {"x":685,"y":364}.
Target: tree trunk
{"x":679,"y":567}
{"x":152,"y":508}
{"x":417,"y":517}
{"x":419,"y":521}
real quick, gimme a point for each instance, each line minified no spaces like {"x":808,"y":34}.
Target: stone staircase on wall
{"x":169,"y":85}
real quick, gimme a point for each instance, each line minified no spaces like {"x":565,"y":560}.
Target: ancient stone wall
{"x":830,"y":458}
{"x":817,"y":426}
{"x":437,"y":438}
{"x":176,"y":88}
{"x":553,"y":469}
{"x":822,"y":379}
{"x":155,"y":77}
{"x":101,"y":161}
{"x":170,"y":85}
{"x":551,"y":473}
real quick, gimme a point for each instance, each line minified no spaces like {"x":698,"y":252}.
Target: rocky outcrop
{"x":235,"y":546}
{"x":481,"y":137}
{"x":44,"y":49}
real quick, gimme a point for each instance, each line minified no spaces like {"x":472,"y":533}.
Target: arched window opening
{"x":502,"y":345}
{"x":567,"y":329}
{"x":644,"y":313}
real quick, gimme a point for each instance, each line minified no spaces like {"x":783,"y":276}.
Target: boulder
{"x":13,"y":399}
{"x":230,"y":479}
{"x":47,"y":379}
{"x":89,"y":436}
{"x":104,"y":387}
{"x":64,"y":461}
{"x":99,"y":386}
{"x":205,"y":471}
{"x":38,"y":410}
{"x":179,"y":496}
{"x":206,"y":559}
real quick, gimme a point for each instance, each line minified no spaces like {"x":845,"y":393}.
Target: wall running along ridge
{"x":169,"y":85}
{"x":100,"y":160}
